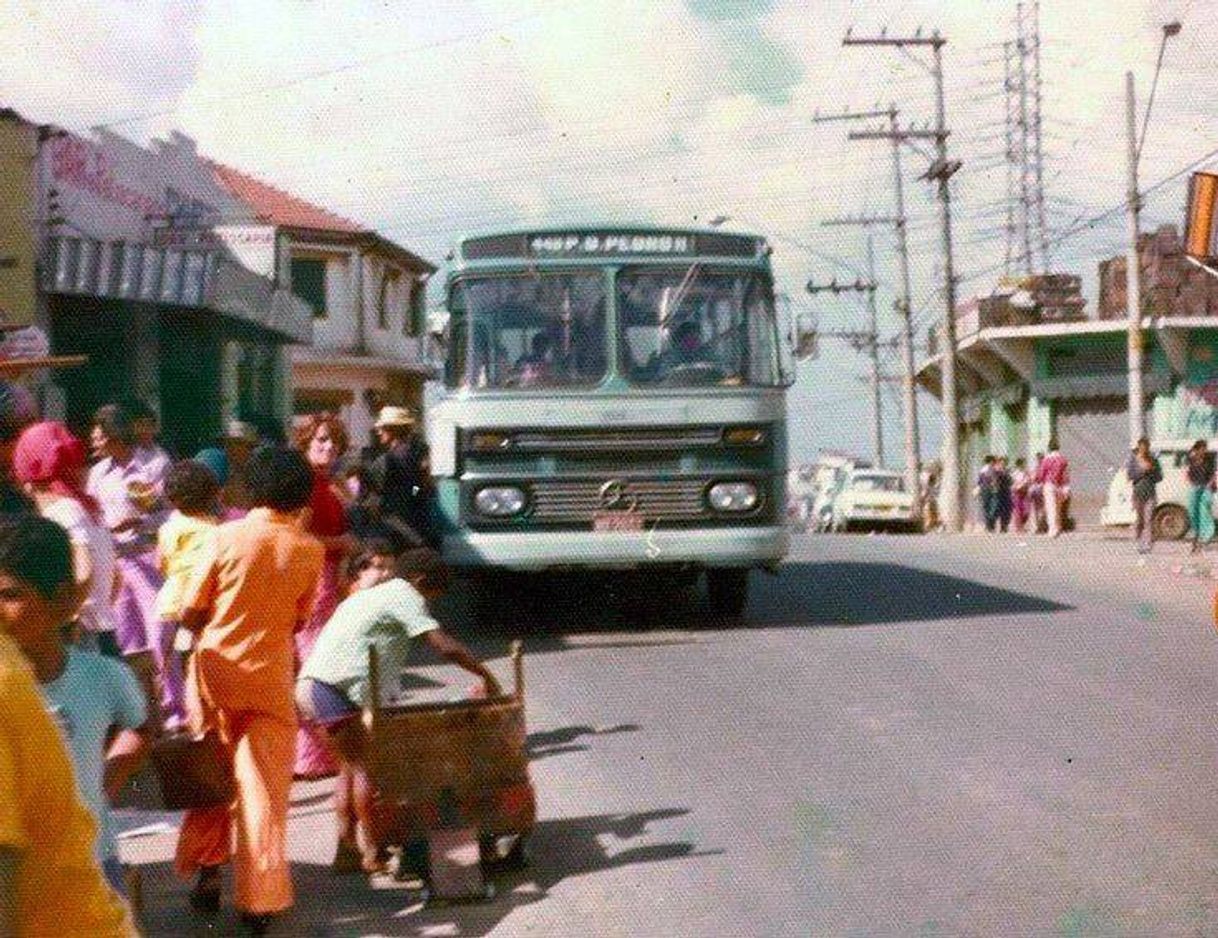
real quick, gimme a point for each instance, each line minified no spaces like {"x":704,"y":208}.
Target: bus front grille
{"x":658,"y":500}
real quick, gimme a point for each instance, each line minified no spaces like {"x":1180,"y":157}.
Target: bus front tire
{"x":728,"y":591}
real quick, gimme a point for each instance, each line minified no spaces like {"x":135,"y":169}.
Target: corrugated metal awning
{"x":200,"y":278}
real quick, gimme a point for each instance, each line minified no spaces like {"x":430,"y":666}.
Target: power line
{"x":327,"y":72}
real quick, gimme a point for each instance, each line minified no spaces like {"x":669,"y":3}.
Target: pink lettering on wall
{"x":78,"y":163}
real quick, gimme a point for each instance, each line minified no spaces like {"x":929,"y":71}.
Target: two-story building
{"x":368,"y":299}
{"x":173,"y":289}
{"x":1024,"y":383}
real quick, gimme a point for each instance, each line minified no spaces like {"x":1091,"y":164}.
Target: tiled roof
{"x":277,"y":207}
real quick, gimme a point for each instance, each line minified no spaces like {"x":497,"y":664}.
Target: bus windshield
{"x":691,"y":326}
{"x":528,"y":331}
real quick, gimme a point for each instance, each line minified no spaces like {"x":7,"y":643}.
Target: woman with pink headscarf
{"x":49,"y":463}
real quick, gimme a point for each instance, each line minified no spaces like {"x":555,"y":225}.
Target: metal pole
{"x":950,"y":489}
{"x":1038,"y":141}
{"x":1025,"y":194}
{"x":877,"y":412}
{"x":1133,"y":276}
{"x":909,"y":388}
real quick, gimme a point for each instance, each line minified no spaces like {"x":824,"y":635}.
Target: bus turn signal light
{"x":744,"y":436}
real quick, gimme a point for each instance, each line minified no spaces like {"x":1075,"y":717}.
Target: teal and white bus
{"x":614,"y":399}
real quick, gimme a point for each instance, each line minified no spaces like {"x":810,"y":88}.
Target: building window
{"x":309,"y":283}
{"x":418,"y":297}
{"x":388,"y":296}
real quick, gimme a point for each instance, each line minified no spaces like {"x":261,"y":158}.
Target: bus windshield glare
{"x":528,"y":331}
{"x":689,"y":326}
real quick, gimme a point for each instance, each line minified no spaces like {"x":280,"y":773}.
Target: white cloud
{"x":508,"y":112}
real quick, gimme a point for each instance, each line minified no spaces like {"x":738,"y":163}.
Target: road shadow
{"x":547,"y":612}
{"x":846,"y":593}
{"x":564,"y":740}
{"x":332,"y":906}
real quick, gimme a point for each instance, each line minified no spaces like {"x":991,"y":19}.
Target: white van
{"x":1171,"y":515}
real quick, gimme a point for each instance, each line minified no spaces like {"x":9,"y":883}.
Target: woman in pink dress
{"x":323,"y":440}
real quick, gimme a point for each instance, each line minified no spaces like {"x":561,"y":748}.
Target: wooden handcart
{"x":454,"y":775}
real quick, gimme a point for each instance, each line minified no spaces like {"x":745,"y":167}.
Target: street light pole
{"x":1133,"y":276}
{"x":1133,"y":271}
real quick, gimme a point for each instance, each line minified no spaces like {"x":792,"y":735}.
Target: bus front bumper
{"x":534,"y":551}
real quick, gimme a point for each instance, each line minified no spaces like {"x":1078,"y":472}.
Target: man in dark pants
{"x":987,"y":492}
{"x":1144,"y":473}
{"x":401,"y":478}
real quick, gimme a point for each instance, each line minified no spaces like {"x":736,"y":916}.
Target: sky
{"x":430,"y":120}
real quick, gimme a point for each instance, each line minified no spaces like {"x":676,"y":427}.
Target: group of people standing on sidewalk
{"x":1145,"y":472}
{"x":1019,"y":499}
{"x":225,"y":570}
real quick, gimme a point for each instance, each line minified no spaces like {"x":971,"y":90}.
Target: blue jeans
{"x":1201,"y":512}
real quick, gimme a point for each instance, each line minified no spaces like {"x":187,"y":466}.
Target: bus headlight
{"x":500,"y":501}
{"x":734,"y":497}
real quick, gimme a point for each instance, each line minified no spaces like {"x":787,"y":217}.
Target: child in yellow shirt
{"x":185,"y":539}
{"x":50,"y":880}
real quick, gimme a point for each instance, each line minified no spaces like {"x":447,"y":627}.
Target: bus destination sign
{"x":577,"y":244}
{"x":589,"y":244}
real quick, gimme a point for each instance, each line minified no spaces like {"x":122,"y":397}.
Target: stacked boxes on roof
{"x":1171,"y":286}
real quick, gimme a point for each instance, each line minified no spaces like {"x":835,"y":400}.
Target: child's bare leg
{"x":365,"y":810}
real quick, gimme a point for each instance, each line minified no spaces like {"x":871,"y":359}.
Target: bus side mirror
{"x":802,"y":335}
{"x":436,"y":344}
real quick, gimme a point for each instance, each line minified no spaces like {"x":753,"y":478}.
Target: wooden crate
{"x":465,"y":759}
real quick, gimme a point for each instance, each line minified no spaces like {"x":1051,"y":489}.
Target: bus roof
{"x":587,"y":242}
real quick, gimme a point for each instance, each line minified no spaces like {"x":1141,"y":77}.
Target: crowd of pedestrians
{"x":233,"y":573}
{"x":1018,"y":499}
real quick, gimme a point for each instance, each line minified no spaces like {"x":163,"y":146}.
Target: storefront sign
{"x":17,"y":242}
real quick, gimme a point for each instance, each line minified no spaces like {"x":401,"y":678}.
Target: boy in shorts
{"x":387,"y":609}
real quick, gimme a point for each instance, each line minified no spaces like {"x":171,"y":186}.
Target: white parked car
{"x":1171,"y":514}
{"x":875,"y":498}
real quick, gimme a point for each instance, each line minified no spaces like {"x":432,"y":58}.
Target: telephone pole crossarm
{"x":902,"y":135}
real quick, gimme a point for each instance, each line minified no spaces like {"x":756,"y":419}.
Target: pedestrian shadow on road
{"x":843,"y":593}
{"x":560,"y":741}
{"x":326,"y":905}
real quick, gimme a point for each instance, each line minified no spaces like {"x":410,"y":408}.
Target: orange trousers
{"x":263,"y":747}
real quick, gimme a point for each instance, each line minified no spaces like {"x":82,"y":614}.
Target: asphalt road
{"x":909,"y":735}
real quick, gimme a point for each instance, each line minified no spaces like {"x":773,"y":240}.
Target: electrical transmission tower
{"x":1027,"y":230}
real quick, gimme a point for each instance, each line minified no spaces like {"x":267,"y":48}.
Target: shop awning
{"x":201,"y":278}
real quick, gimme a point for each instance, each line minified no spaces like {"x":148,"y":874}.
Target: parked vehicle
{"x":801,"y":497}
{"x":875,"y":498}
{"x":1171,"y":516}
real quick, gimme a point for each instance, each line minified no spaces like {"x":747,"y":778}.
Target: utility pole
{"x":877,"y":405}
{"x":877,"y":429}
{"x":1133,"y":275}
{"x":863,"y":341}
{"x":941,"y":170}
{"x":913,"y":442}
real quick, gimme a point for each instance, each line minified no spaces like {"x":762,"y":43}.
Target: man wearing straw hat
{"x":401,"y":477}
